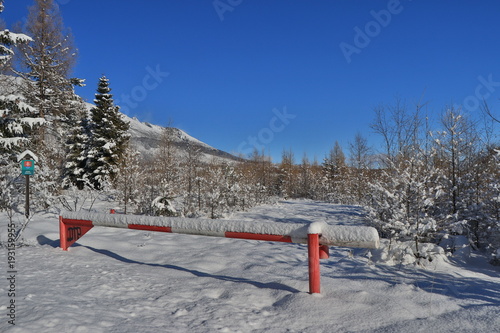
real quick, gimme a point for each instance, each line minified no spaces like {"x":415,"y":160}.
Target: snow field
{"x":119,"y":280}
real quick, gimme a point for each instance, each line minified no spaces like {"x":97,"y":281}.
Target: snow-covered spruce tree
{"x":109,"y":137}
{"x":17,"y":118}
{"x":76,"y":171}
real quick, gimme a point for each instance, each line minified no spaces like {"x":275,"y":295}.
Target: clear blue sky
{"x":231,"y":64}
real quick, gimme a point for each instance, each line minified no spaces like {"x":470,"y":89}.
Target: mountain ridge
{"x":146,"y":138}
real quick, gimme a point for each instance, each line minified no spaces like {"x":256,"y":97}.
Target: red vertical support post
{"x":313,"y":255}
{"x":63,"y":234}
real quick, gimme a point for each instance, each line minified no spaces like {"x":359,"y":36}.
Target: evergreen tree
{"x":17,"y":117}
{"x":49,"y":60}
{"x":109,"y":137}
{"x":17,"y":120}
{"x":76,"y":171}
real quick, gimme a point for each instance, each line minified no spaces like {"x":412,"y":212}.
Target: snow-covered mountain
{"x":146,"y":138}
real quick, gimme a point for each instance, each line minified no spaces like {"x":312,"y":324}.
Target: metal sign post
{"x":27,"y":206}
{"x":27,"y":161}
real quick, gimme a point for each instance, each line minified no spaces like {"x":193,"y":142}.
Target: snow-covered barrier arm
{"x":348,"y":236}
{"x":330,"y":235}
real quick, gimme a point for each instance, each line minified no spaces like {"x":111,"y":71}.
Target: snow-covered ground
{"x":119,"y":280}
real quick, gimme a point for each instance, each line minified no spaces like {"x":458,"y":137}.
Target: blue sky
{"x":283,"y":74}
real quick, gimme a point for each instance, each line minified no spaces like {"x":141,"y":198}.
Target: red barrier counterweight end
{"x":72,"y":230}
{"x":324,"y":252}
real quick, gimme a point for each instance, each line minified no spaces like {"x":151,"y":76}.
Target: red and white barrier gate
{"x":318,"y":235}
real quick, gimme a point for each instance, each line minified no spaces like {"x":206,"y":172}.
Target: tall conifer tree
{"x":17,"y":118}
{"x":109,"y":137}
{"x":49,"y":60}
{"x":76,"y":170}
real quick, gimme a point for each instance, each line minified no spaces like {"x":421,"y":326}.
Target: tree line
{"x":422,"y":185}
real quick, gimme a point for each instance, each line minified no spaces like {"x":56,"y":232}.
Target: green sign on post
{"x":27,"y":162}
{"x":28,"y":167}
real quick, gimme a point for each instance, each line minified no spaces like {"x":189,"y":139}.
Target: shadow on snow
{"x":471,"y":291}
{"x":42,"y":240}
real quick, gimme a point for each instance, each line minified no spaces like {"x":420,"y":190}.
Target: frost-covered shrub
{"x":10,"y":187}
{"x":162,"y":206}
{"x":403,"y":253}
